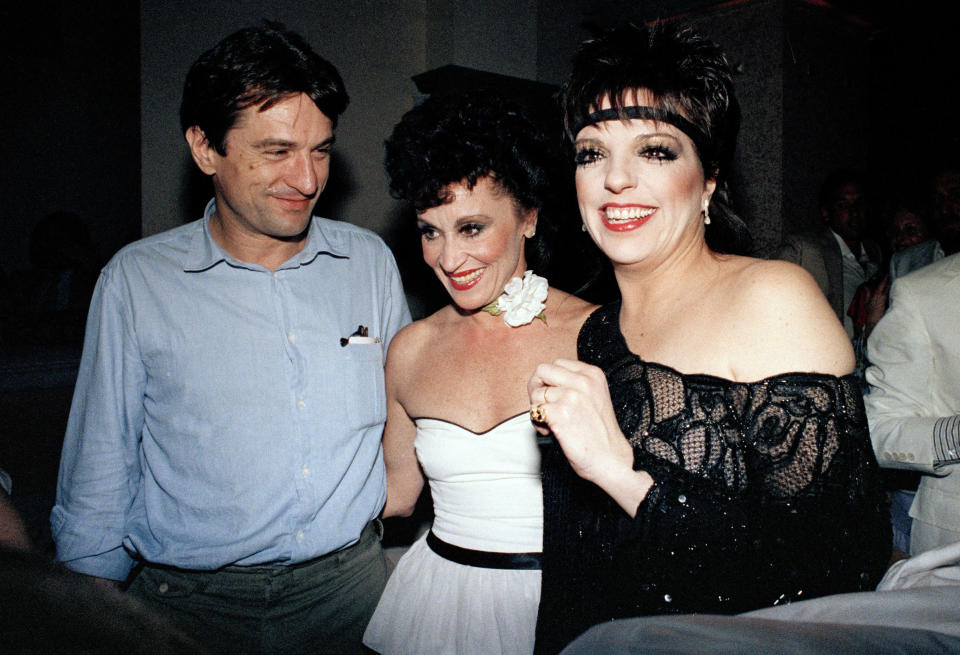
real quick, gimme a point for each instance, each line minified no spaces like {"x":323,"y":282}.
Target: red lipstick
{"x":463,"y":286}
{"x":625,"y":224}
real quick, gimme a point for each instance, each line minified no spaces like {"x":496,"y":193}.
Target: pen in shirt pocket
{"x":360,"y":336}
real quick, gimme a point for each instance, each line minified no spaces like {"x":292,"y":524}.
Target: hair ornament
{"x":647,"y":113}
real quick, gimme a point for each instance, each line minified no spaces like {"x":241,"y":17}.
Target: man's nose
{"x":302,"y":175}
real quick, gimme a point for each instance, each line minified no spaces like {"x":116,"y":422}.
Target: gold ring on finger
{"x":538,"y":414}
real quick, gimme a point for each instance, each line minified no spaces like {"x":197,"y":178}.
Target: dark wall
{"x":914,"y":120}
{"x":826,"y":116}
{"x":71,"y":128}
{"x":750,"y":34}
{"x":71,"y":143}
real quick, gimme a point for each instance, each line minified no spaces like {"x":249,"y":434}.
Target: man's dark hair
{"x":256,"y":67}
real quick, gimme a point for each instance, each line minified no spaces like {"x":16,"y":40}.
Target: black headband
{"x":648,"y":113}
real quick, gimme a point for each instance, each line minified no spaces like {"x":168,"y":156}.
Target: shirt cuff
{"x":114,"y":564}
{"x":946,"y":440}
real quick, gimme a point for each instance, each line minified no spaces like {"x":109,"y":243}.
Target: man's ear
{"x":202,"y":150}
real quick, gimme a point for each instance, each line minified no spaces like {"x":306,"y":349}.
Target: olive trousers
{"x":320,"y":606}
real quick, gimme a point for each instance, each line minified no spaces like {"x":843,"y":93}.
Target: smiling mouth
{"x":622,"y":219}
{"x":298,"y":201}
{"x":465,"y":279}
{"x":294,"y":200}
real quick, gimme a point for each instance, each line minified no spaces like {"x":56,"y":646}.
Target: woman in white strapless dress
{"x":478,"y":173}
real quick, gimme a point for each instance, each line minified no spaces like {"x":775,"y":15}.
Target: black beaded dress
{"x":764,"y":493}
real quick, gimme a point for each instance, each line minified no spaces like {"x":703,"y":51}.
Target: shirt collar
{"x":204,"y":252}
{"x":845,"y":249}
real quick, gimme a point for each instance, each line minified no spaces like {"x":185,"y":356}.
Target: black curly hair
{"x":687,"y":75}
{"x":467,"y":136}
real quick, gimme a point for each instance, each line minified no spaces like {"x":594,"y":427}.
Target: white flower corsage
{"x":521,"y":300}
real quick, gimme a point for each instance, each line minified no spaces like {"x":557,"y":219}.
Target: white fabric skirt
{"x":434,"y":606}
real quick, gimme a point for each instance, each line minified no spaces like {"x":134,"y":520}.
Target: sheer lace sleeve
{"x":764,"y":493}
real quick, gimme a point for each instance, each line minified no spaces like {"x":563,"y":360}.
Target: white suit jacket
{"x":915,"y":381}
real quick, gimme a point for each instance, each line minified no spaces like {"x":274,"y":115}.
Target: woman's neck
{"x":648,"y":286}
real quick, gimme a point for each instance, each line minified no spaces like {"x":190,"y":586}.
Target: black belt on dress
{"x":482,"y":558}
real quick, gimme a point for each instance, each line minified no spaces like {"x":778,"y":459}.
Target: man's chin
{"x":297,"y":233}
{"x":293,"y":224}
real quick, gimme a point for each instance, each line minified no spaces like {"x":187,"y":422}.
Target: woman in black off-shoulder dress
{"x":711,"y":451}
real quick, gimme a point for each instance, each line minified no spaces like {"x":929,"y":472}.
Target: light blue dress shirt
{"x":217,"y":419}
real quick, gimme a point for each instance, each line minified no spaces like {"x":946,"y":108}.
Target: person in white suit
{"x":914,"y":404}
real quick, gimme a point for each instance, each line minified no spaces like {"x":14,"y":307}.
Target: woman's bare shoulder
{"x":784,"y":317}
{"x":407,"y":345}
{"x":774,"y":280}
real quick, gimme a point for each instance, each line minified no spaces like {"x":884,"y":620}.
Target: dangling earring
{"x":706,"y":216}
{"x":583,"y":227}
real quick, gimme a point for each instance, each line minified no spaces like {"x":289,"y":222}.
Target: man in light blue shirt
{"x":225,"y":429}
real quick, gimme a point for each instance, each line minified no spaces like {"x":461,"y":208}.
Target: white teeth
{"x":469,"y":277}
{"x":627,"y":213}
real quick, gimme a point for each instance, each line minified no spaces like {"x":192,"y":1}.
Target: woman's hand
{"x":578,"y":411}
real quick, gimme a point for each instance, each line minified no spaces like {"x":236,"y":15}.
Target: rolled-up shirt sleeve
{"x":100,"y":466}
{"x":908,"y":428}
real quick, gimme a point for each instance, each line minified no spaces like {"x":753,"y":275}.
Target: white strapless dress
{"x":486,"y":496}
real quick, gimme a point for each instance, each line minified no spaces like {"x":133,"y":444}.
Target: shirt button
{"x":299,"y":536}
{"x":910,"y":457}
{"x":301,"y":403}
{"x":163,"y":587}
{"x":292,"y":338}
{"x":887,"y":454}
{"x":276,"y":276}
{"x":305,"y":471}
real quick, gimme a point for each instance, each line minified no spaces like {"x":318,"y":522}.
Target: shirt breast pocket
{"x":365,"y":392}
